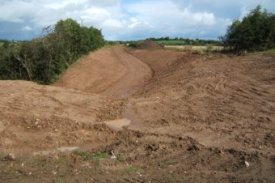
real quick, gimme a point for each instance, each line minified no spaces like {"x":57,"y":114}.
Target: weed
{"x":100,"y":155}
{"x":120,"y":158}
{"x":131,"y":169}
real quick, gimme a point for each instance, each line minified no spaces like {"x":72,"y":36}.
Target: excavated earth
{"x":143,"y":115}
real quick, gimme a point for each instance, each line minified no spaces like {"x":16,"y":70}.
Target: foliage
{"x":131,"y":169}
{"x":184,"y":42}
{"x":270,"y":52}
{"x":254,"y":32}
{"x":44,"y":59}
{"x":167,"y":41}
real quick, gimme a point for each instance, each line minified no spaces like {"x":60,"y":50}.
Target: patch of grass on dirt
{"x":59,"y":181}
{"x":87,"y":102}
{"x":270,"y":52}
{"x":120,"y":158}
{"x":131,"y":169}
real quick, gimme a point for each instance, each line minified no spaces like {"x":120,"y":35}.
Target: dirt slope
{"x":207,"y":98}
{"x":109,"y":71}
{"x":143,"y":116}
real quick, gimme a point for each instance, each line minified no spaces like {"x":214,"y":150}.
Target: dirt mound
{"x":144,"y":115}
{"x":109,"y":71}
{"x":147,"y":44}
{"x":161,"y":59}
{"x":208,"y":97}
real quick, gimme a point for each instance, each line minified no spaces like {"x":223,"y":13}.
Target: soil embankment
{"x":143,"y":115}
{"x":109,"y":71}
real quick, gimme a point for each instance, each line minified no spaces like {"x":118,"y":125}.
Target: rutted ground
{"x":219,"y":100}
{"x":190,"y":118}
{"x":35,"y":117}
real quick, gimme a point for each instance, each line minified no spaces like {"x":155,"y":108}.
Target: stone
{"x":10,"y":157}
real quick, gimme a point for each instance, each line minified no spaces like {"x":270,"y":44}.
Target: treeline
{"x":255,"y":32}
{"x":44,"y":59}
{"x":184,"y":41}
{"x":173,"y":41}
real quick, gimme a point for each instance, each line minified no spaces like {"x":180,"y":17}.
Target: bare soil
{"x":143,"y":115}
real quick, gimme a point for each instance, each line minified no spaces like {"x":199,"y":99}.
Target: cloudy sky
{"x":127,"y":19}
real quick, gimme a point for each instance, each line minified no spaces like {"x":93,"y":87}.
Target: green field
{"x":183,"y":42}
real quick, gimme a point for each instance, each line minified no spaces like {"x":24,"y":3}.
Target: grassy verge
{"x":270,"y":52}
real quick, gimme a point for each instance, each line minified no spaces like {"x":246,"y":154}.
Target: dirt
{"x":110,"y":71}
{"x":143,"y":115}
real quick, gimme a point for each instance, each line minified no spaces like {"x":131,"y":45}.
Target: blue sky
{"x":127,"y":19}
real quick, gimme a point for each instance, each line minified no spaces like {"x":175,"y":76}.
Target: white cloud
{"x":120,"y":19}
{"x":27,"y":28}
{"x":14,"y":11}
{"x":166,"y":18}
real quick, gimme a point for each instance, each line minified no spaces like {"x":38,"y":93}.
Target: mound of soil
{"x":147,"y":44}
{"x":143,"y":115}
{"x":110,"y":71}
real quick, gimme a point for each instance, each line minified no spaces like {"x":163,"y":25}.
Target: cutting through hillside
{"x":143,"y":114}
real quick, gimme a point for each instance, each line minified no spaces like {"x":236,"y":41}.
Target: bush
{"x":255,"y":32}
{"x":44,"y":59}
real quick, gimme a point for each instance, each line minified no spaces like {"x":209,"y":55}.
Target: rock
{"x":246,"y":164}
{"x":10,"y":157}
{"x":113,"y":155}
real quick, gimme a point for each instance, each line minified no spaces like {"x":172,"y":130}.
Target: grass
{"x":131,"y":169}
{"x":87,"y":102}
{"x":270,"y":52}
{"x":172,"y":42}
{"x":59,"y":180}
{"x":120,"y":158}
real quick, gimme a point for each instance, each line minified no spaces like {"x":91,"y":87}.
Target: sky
{"x":127,"y":19}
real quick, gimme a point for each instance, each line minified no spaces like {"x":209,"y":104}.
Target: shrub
{"x":44,"y":59}
{"x":254,"y":32}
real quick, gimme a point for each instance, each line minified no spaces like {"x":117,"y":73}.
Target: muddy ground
{"x":143,"y":115}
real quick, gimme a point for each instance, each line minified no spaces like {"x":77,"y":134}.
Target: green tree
{"x":254,"y":32}
{"x":44,"y":59}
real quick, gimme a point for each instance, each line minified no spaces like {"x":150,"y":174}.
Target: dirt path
{"x":110,"y":71}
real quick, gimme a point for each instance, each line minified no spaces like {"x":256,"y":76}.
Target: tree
{"x":254,"y":32}
{"x":44,"y":59}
